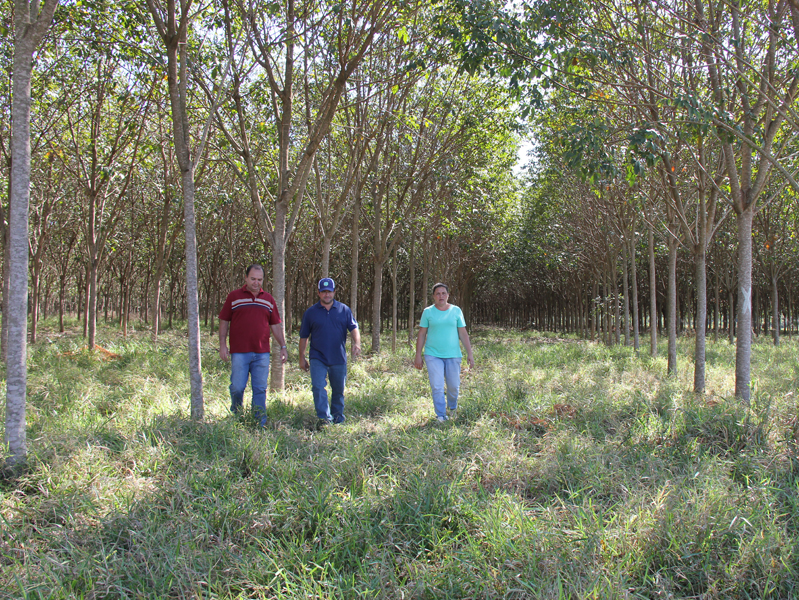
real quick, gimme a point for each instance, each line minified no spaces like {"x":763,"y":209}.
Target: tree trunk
{"x":412,"y":294}
{"x":29,"y":29}
{"x":377,"y":298}
{"x":775,"y":309}
{"x":91,"y":305}
{"x":426,"y":270}
{"x":672,"y":306}
{"x":394,"y":301}
{"x":354,"y":258}
{"x":85,"y":314}
{"x":34,"y":304}
{"x":717,"y":311}
{"x":626,"y":292}
{"x":634,"y":285}
{"x":277,"y":370}
{"x":700,"y":322}
{"x":653,"y":301}
{"x":743,"y":349}
{"x":173,"y":33}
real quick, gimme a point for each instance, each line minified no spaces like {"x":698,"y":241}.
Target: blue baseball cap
{"x":326,"y":284}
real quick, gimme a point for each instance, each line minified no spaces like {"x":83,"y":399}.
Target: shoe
{"x":442,"y":419}
{"x":262,"y":423}
{"x":339,"y":420}
{"x":324,"y":423}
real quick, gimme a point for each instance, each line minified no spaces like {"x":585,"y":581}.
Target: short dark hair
{"x":254,"y":266}
{"x":438,"y":285}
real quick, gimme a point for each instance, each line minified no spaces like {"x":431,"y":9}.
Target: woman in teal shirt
{"x":441,"y":328}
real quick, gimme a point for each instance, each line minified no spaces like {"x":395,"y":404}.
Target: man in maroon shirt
{"x":250,"y":315}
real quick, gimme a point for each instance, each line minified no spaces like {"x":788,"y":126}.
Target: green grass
{"x":573,"y":471}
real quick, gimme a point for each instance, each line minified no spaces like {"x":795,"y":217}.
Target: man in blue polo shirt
{"x":327,"y":323}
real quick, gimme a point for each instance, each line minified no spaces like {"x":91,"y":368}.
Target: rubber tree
{"x":31,"y":23}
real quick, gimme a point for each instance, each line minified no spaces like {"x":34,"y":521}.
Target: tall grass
{"x":573,"y":471}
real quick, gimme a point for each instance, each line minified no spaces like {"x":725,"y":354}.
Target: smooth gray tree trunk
{"x":743,"y":347}
{"x":29,"y":30}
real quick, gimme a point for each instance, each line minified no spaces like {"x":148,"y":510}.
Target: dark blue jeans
{"x":337,"y":374}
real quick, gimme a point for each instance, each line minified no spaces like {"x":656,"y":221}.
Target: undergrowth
{"x":573,"y":471}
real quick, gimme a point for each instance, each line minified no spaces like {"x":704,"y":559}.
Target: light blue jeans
{"x":255,"y":366}
{"x":338,"y":379}
{"x":441,"y":372}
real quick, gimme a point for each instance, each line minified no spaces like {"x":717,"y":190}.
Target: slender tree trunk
{"x":717,"y":312}
{"x":653,"y":301}
{"x":412,"y":284}
{"x":92,"y":305}
{"x":34,"y":304}
{"x":354,"y":258}
{"x":6,"y":272}
{"x":618,"y":301}
{"x":326,"y":243}
{"x":701,"y":315}
{"x":626,"y":292}
{"x":672,"y":307}
{"x":426,"y":270}
{"x":173,"y":33}
{"x":62,"y":290}
{"x":277,"y":370}
{"x":288,"y":318}
{"x":607,"y":333}
{"x":593,"y":304}
{"x":394,"y":301}
{"x":377,"y":298}
{"x":731,"y":317}
{"x":743,"y":349}
{"x":192,"y":299}
{"x":634,"y":275}
{"x":775,"y":309}
{"x":29,"y":29}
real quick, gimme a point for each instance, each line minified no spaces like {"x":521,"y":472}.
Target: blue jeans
{"x":338,"y":378}
{"x":253,"y":365}
{"x":443,"y":371}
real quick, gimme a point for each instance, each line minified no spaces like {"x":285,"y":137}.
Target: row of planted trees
{"x":671,"y":119}
{"x":172,"y":143}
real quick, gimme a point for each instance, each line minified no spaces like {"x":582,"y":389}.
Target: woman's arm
{"x":467,"y":343}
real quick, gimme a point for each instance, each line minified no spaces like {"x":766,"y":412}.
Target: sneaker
{"x":442,"y":419}
{"x":263,"y":422}
{"x":323,"y":423}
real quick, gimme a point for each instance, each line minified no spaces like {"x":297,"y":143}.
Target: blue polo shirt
{"x":328,"y":332}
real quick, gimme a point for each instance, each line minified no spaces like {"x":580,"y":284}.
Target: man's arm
{"x":356,"y":343}
{"x":467,"y":343}
{"x":303,"y":363}
{"x":277,"y":331}
{"x":420,"y":339}
{"x":224,"y":327}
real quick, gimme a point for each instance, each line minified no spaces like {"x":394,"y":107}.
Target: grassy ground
{"x":572,"y":471}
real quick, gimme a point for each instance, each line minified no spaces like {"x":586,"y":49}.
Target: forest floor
{"x":573,"y":470}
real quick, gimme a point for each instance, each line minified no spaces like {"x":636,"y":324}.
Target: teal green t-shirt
{"x":442,"y":331}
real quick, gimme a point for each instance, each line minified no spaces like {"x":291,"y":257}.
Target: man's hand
{"x":223,"y":353}
{"x":284,"y":355}
{"x":356,"y":351}
{"x":304,"y":365}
